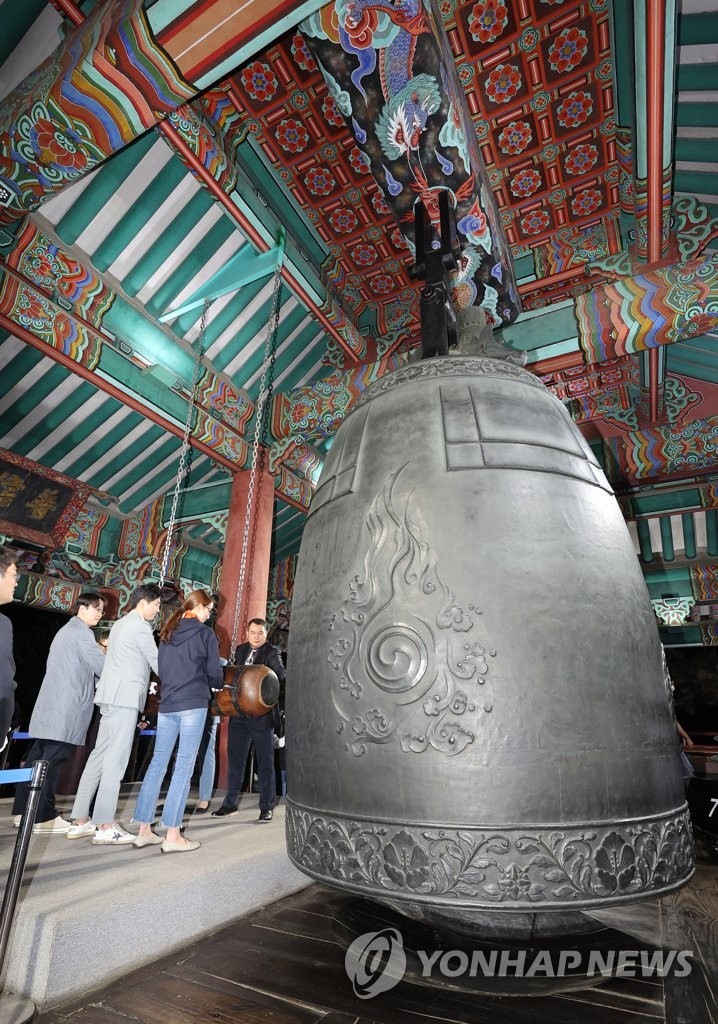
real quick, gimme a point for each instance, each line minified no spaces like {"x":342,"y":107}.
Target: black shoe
{"x":265,"y":816}
{"x":201,"y":810}
{"x":225,"y":812}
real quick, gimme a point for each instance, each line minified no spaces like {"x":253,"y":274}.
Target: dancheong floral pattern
{"x":576,"y":108}
{"x":365,"y":255}
{"x":292,"y":136}
{"x":535,"y":222}
{"x":343,"y":221}
{"x":319,"y":181}
{"x":522,"y":868}
{"x":488,"y":20}
{"x":526,"y":183}
{"x":331,"y":112}
{"x":382,"y":284}
{"x":581,"y":159}
{"x":515,"y":137}
{"x":586,"y":202}
{"x":260,"y":81}
{"x":503,"y":83}
{"x":301,"y":54}
{"x":568,"y":50}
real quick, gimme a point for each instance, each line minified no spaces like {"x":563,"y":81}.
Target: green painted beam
{"x":524,"y":267}
{"x":699,"y":151}
{"x":666,"y":539}
{"x":30,"y":399}
{"x":687,"y":361}
{"x":697,"y":182}
{"x":101,"y":445}
{"x":169,"y":241}
{"x":697,"y":29}
{"x":549,"y":328}
{"x":697,"y":115}
{"x":55,"y":417}
{"x":697,"y":77}
{"x":142,"y":335}
{"x":287,"y":325}
{"x":622,"y":15}
{"x":673,"y":579}
{"x":245,"y":266}
{"x":203,"y":500}
{"x":644,"y":540}
{"x":198,"y":565}
{"x":110,"y":539}
{"x":17,"y":18}
{"x":191,"y":266}
{"x":125,"y":454}
{"x":156,"y":193}
{"x":667,"y":501}
{"x":103,"y":187}
{"x":19,"y":367}
{"x":712,"y":531}
{"x":258,"y":175}
{"x":302,"y":343}
{"x":689,"y":535}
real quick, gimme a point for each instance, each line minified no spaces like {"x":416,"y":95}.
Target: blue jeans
{"x":188,"y":726}
{"x":206,"y":778}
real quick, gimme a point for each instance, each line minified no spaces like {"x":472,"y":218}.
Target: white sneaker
{"x":80,"y":831}
{"x":115,"y":835}
{"x":16,"y":819}
{"x":56,"y":825}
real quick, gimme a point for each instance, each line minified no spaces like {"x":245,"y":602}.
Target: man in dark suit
{"x":247,"y":729}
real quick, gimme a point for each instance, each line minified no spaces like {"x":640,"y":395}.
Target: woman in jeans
{"x":189,"y":667}
{"x":206,"y":759}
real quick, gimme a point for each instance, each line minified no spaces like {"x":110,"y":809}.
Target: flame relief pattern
{"x":408,"y":663}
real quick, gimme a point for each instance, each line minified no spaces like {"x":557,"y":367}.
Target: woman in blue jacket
{"x":189,"y":668}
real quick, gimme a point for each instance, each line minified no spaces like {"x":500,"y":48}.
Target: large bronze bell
{"x":479,"y":731}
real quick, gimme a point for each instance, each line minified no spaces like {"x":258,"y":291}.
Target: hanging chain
{"x":185,"y":441}
{"x":261,"y":431}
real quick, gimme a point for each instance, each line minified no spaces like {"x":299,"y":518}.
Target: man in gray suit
{"x":121,"y":694}
{"x":8,"y":582}
{"x":63,"y":709}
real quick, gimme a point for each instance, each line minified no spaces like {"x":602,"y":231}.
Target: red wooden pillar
{"x":256,"y":575}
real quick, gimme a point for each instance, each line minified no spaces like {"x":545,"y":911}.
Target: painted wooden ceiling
{"x":124,"y":256}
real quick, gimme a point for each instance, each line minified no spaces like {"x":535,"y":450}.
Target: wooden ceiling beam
{"x":110,"y":389}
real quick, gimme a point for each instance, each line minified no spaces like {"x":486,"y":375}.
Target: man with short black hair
{"x":259,"y":730}
{"x":63,"y":709}
{"x":8,"y":582}
{"x":121,"y":694}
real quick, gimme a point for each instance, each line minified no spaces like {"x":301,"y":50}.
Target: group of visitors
{"x":189,"y":668}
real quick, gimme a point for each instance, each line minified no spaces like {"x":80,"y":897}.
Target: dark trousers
{"x":241,"y":736}
{"x":55,"y":752}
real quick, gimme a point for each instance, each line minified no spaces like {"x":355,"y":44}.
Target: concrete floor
{"x":88,"y":914}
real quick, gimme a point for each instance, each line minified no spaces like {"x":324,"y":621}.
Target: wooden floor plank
{"x":285,"y":965}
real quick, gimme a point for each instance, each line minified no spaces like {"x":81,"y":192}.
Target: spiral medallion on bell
{"x":406,"y":652}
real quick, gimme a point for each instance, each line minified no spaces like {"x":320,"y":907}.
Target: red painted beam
{"x":547,"y":282}
{"x":70,"y":10}
{"x":556,"y":364}
{"x":655,"y":83}
{"x":112,"y":391}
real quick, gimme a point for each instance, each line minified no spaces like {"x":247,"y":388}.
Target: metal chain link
{"x":185,"y":441}
{"x":261,"y":430}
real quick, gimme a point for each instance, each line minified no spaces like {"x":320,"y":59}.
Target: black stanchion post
{"x":17,"y":1009}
